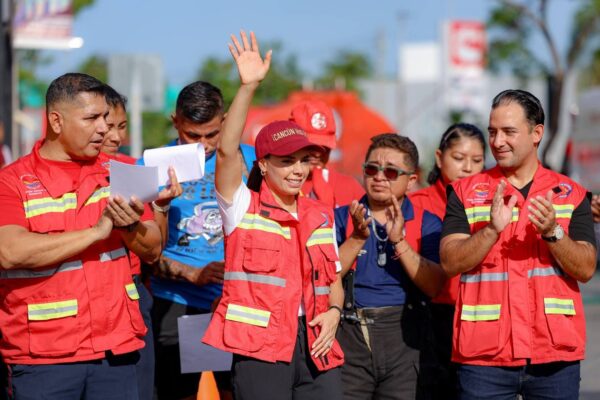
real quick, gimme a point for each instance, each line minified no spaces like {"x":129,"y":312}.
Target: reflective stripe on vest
{"x":482,"y":214}
{"x":544,"y":271}
{"x":321,"y":290}
{"x":503,"y":276}
{"x":32,"y":273}
{"x":113,"y":254}
{"x":98,"y":195}
{"x":45,"y":205}
{"x":255,"y":278}
{"x":559,"y":306}
{"x":132,"y":291}
{"x":256,"y":222}
{"x":320,"y":236}
{"x":483,"y":312}
{"x":46,"y":311}
{"x":64,"y":267}
{"x":563,"y":210}
{"x":484,"y":277}
{"x":248,"y":315}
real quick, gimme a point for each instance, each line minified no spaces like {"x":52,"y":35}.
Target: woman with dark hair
{"x":282,"y":295}
{"x":460,"y":154}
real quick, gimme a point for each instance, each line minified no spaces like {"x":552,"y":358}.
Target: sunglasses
{"x":391,"y":173}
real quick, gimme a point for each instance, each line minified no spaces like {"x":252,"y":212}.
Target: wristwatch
{"x":558,"y":234}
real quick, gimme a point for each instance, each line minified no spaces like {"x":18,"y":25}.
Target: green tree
{"x":513,"y":22}
{"x":345,"y":70}
{"x":96,"y":66}
{"x":284,"y":76}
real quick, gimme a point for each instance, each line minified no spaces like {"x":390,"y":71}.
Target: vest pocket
{"x":133,"y":307}
{"x":53,"y":327}
{"x":479,"y":330}
{"x":261,"y":256}
{"x":559,"y":316}
{"x":244,"y":327}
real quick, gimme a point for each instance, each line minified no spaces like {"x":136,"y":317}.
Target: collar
{"x":57,"y":182}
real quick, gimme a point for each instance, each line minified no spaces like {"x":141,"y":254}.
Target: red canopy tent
{"x":356,"y":124}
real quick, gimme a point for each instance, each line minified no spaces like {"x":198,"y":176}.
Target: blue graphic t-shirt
{"x":195,"y":235}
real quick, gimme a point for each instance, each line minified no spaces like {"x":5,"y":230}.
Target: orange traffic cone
{"x":207,"y":389}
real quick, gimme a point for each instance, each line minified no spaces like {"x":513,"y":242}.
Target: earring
{"x":263,"y":173}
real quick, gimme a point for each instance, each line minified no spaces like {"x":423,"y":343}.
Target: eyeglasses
{"x":391,"y":173}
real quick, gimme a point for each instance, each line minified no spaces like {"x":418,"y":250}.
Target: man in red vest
{"x":69,"y":317}
{"x":521,"y":236}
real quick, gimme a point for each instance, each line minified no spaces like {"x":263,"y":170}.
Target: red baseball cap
{"x":316,"y":118}
{"x":280,"y":138}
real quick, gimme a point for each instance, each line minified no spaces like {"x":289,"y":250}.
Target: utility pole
{"x":6,"y":69}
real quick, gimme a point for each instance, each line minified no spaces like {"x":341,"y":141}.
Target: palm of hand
{"x":394,"y":227}
{"x":251,"y":67}
{"x":501,"y":216}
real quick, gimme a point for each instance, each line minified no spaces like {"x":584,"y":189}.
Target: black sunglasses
{"x":391,"y":173}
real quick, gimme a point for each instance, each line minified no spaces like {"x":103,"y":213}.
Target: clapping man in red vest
{"x":521,"y":236}
{"x":70,"y":322}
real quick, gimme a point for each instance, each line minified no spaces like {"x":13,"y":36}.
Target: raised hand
{"x":500,"y":213}
{"x":358,"y":213}
{"x":542,"y":214}
{"x":251,"y":67}
{"x":395,"y":221}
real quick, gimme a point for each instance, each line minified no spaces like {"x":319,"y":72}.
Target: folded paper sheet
{"x":187,"y":159}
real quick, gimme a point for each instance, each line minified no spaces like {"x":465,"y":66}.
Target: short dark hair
{"x":68,"y":86}
{"x":396,"y":142}
{"x":115,"y":99}
{"x":452,"y":135}
{"x":531,"y":105}
{"x":199,"y":102}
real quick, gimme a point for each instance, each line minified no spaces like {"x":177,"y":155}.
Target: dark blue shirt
{"x":376,"y":286}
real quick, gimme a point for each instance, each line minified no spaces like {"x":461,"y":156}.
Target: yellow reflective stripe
{"x":257,"y":222}
{"x":132,"y":291}
{"x":46,"y":311}
{"x":321,"y":236}
{"x":45,"y":205}
{"x":563,"y":210}
{"x":559,"y":306}
{"x":482,"y":214}
{"x":515,"y":214}
{"x":248,"y":315}
{"x":98,"y":195}
{"x":482,"y":312}
{"x":478,"y":214}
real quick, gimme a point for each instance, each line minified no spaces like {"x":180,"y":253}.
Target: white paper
{"x":195,"y":355}
{"x":187,"y":159}
{"x":128,"y":180}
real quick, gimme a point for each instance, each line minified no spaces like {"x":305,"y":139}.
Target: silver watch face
{"x":559,"y":232}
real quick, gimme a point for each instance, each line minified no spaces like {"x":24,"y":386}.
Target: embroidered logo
{"x":318,"y":121}
{"x":565,"y":190}
{"x":481,"y":190}
{"x":31,"y":182}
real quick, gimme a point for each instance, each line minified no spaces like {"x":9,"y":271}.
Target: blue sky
{"x":184,"y":32}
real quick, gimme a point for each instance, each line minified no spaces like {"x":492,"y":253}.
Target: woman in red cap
{"x":282,"y":296}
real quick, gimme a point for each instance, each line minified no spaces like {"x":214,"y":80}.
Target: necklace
{"x":381,"y":245}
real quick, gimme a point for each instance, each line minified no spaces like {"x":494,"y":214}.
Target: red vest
{"x":81,"y":308}
{"x":518,"y":304}
{"x":433,"y":199}
{"x":272,"y":263}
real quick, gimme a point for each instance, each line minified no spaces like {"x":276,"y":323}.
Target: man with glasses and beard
{"x":389,"y":254}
